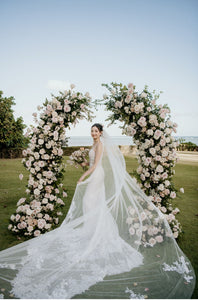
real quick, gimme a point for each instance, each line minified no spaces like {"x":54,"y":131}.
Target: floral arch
{"x":151,"y":127}
{"x":142,"y":118}
{"x":38,"y":211}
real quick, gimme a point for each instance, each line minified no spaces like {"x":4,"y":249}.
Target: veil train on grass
{"x":113,"y":243}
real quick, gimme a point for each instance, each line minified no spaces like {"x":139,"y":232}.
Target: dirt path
{"x":187,"y":156}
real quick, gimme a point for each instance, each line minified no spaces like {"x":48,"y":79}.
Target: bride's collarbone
{"x":95,"y":146}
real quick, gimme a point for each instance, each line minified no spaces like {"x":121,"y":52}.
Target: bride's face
{"x":95,"y":133}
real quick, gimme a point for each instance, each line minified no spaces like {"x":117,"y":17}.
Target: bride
{"x":113,"y":243}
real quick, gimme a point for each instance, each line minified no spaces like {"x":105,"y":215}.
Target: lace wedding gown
{"x":113,"y":243}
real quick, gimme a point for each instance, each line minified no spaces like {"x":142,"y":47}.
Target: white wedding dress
{"x":113,"y":243}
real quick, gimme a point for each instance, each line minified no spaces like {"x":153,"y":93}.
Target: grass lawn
{"x":12,"y":189}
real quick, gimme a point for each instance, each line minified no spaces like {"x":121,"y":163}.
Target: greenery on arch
{"x":151,"y":127}
{"x":39,"y":210}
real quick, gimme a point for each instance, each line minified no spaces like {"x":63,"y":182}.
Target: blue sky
{"x":48,"y":44}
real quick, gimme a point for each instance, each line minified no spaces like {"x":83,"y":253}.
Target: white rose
{"x":12,"y":218}
{"x":32,"y":170}
{"x":37,"y":232}
{"x":143,"y":95}
{"x":24,"y":152}
{"x":162,"y":125}
{"x":37,"y":168}
{"x":29,"y":211}
{"x":48,"y":226}
{"x":143,"y":216}
{"x":55,"y":135}
{"x":137,"y":109}
{"x":87,"y":95}
{"x":127,"y":110}
{"x":28,"y":163}
{"x":152,"y":151}
{"x":36,"y":192}
{"x":41,"y":141}
{"x":46,"y":156}
{"x":131,"y":230}
{"x":149,"y":132}
{"x":17,"y":217}
{"x":127,"y":99}
{"x":163,"y":209}
{"x":67,"y":108}
{"x":159,"y":238}
{"x":142,"y":122}
{"x":72,"y":86}
{"x":41,"y":223}
{"x":22,"y":200}
{"x":118,"y":104}
{"x":167,"y":182}
{"x":173,"y":195}
{"x":36,"y":155}
{"x":159,"y":169}
{"x":60,"y":152}
{"x":157,"y":134}
{"x":45,"y":201}
{"x":152,"y":241}
{"x":161,"y":187}
{"x":152,"y":119}
{"x":49,"y":174}
{"x":41,"y":163}
{"x":30,"y":228}
{"x":168,"y":131}
{"x":175,"y":234}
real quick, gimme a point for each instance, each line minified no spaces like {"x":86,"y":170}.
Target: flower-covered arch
{"x":148,"y":123}
{"x":151,"y":128}
{"x":38,"y":211}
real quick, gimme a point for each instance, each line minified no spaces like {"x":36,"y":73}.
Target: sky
{"x":48,"y":44}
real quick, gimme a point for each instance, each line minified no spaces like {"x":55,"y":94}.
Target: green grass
{"x":12,"y":189}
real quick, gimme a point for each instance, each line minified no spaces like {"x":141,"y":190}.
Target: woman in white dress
{"x":113,"y":243}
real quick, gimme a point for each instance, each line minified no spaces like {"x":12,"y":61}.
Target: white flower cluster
{"x":39,"y":211}
{"x":151,"y":128}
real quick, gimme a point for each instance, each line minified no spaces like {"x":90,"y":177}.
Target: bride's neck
{"x":96,"y":141}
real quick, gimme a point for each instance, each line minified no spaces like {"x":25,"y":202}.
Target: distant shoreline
{"x":119,"y":140}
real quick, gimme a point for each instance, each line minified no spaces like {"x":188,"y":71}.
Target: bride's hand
{"x":80,"y":180}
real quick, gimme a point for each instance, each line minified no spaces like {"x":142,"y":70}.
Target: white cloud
{"x":58,"y":85}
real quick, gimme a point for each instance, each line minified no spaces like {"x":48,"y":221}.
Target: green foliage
{"x":187,"y":146}
{"x":11,"y":130}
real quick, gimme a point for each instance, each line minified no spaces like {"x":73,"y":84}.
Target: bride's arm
{"x":97,"y":158}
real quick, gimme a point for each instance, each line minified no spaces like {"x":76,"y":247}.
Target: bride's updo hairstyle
{"x":99,"y":126}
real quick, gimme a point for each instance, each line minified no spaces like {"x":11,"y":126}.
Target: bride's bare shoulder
{"x":99,"y":146}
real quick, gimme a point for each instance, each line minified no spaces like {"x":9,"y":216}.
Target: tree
{"x":11,"y":130}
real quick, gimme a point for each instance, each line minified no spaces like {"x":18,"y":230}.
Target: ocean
{"x":119,"y":140}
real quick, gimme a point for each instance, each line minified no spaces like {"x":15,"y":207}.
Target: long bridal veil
{"x":113,"y":243}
